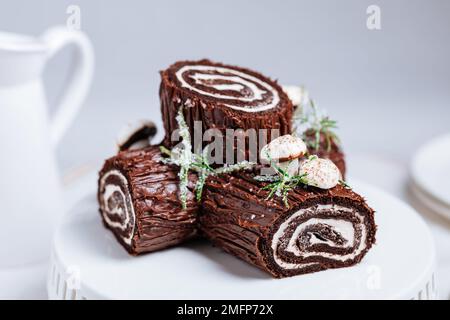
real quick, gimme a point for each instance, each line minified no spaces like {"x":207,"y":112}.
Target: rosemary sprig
{"x":203,"y":169}
{"x":344,"y":184}
{"x":282,"y":183}
{"x":243,"y":165}
{"x":165,"y":151}
{"x":322,"y":125}
{"x":326,"y":127}
{"x":311,"y":119}
{"x":183,"y":157}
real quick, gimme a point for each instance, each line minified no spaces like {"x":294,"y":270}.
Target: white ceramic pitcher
{"x":30,"y":194}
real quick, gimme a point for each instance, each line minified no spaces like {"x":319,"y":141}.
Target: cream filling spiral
{"x":116,"y":205}
{"x":252,"y":93}
{"x":347,"y":235}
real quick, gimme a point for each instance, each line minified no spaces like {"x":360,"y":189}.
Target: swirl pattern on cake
{"x":319,"y":234}
{"x":221,"y":97}
{"x":235,"y":89}
{"x":319,"y":230}
{"x":116,"y":205}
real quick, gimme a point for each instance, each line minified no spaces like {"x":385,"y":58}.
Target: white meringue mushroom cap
{"x":131,"y":128}
{"x":284,"y":148}
{"x":320,"y":173}
{"x":297,"y":94}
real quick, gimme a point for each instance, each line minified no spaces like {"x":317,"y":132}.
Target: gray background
{"x":389,"y":88}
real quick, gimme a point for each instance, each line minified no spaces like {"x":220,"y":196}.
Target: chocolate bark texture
{"x":327,"y":148}
{"x":321,"y":229}
{"x":140,"y":203}
{"x":223,"y":97}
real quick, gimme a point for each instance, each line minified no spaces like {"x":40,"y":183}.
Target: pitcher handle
{"x":80,"y":79}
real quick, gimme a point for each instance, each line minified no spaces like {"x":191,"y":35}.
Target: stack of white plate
{"x":430,"y":173}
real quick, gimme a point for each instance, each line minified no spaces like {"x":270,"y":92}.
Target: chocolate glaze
{"x":212,"y":112}
{"x":160,"y":220}
{"x":237,"y":218}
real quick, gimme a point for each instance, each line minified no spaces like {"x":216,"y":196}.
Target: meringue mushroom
{"x":286,"y":151}
{"x":320,"y":173}
{"x":136,"y":135}
{"x":297,"y":94}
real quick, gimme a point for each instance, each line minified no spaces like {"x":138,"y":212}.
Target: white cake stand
{"x":88,"y":263}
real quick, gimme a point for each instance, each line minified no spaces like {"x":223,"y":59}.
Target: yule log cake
{"x":223,"y":97}
{"x":301,"y":219}
{"x":139,"y":201}
{"x":320,"y":229}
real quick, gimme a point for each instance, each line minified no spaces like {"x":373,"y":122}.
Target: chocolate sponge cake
{"x":297,"y":217}
{"x":320,"y":229}
{"x":140,"y":204}
{"x":222,"y":97}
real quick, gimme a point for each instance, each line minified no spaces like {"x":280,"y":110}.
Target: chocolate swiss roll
{"x":222,"y":97}
{"x":320,"y":229}
{"x":139,"y":201}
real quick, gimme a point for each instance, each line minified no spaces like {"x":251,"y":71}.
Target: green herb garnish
{"x":344,"y":184}
{"x":183,"y":157}
{"x":281,"y":183}
{"x":311,"y":120}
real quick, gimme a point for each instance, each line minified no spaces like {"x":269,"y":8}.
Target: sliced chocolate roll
{"x":222,"y":97}
{"x":327,"y":148}
{"x":321,"y":229}
{"x":139,"y":201}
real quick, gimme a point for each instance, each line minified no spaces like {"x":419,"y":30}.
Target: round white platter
{"x":88,"y":263}
{"x":430,"y":172}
